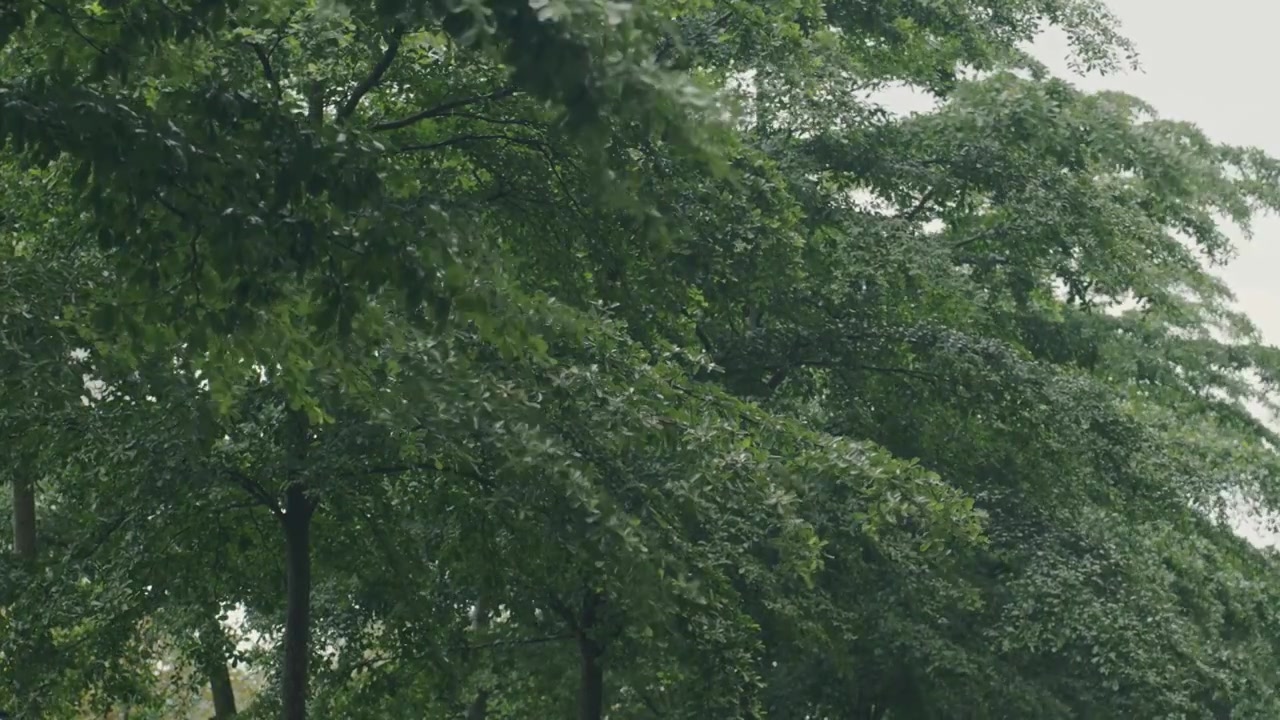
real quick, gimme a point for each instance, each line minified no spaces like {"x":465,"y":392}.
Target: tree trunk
{"x":591,"y":693}
{"x":24,"y":549}
{"x":224,"y":695}
{"x":24,"y":519}
{"x":479,"y":708}
{"x":213,"y":658}
{"x":591,"y":687}
{"x":297,"y":619}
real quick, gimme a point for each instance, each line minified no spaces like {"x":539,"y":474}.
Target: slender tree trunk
{"x":24,"y":549}
{"x":297,"y":620}
{"x":591,"y":682}
{"x":591,"y":693}
{"x":213,"y":659}
{"x":24,"y":519}
{"x":479,"y":708}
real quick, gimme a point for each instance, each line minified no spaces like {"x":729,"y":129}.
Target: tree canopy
{"x":559,"y":358}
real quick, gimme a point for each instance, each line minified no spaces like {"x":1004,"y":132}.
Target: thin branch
{"x":257,"y":492}
{"x":375,"y":75}
{"x":777,"y":378}
{"x":242,"y":505}
{"x":669,"y":43}
{"x":564,"y":186}
{"x":84,"y":552}
{"x":983,"y":234}
{"x":71,"y":23}
{"x":400,"y":469}
{"x":705,"y":339}
{"x":444,"y":109}
{"x":496,"y":121}
{"x":282,"y":31}
{"x":838,"y":365}
{"x":461,"y":139}
{"x":162,"y":202}
{"x":649,"y":703}
{"x":316,"y":98}
{"x":914,"y":212}
{"x":518,"y":642}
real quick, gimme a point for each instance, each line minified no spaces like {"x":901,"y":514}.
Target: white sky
{"x":1213,"y":69}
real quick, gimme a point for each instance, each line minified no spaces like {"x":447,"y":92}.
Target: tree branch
{"x":85,"y":551}
{"x":777,"y":378}
{"x":71,"y":24}
{"x":779,"y":371}
{"x":264,"y":59}
{"x":374,"y":77}
{"x":257,"y":492}
{"x":443,"y":109}
{"x":516,"y":642}
{"x":567,"y":615}
{"x":980,"y":235}
{"x":708,"y":346}
{"x":498,"y":121}
{"x":526,"y":142}
{"x":914,"y":212}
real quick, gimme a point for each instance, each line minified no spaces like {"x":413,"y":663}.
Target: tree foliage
{"x":575,"y":359}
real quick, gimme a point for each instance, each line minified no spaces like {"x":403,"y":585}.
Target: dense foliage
{"x":562,"y":358}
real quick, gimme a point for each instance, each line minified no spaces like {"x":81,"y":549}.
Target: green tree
{"x":508,"y":360}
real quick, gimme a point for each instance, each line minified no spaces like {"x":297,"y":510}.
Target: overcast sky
{"x":1214,"y":69}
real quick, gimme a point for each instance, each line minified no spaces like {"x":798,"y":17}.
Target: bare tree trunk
{"x":24,"y":519}
{"x":297,"y":620}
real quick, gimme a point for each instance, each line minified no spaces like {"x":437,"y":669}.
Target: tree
{"x":564,"y":359}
